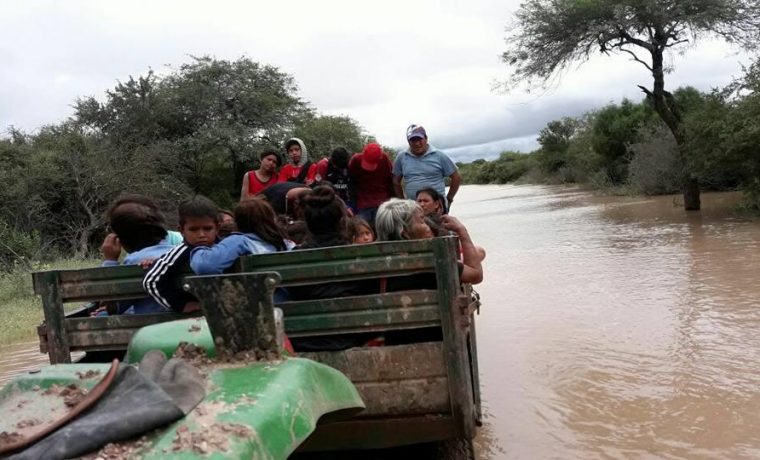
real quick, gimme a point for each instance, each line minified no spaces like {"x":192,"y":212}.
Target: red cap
{"x":371,"y":156}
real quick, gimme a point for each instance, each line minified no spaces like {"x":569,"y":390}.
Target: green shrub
{"x":17,"y":247}
{"x":22,"y":309}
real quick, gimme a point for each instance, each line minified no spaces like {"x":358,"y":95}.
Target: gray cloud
{"x":386,"y":64}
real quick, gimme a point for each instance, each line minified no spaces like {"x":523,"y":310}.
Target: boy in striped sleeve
{"x":199,"y":226}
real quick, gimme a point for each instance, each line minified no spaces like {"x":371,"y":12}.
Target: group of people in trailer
{"x":340,"y":200}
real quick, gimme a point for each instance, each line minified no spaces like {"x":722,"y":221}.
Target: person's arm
{"x":398,"y":174}
{"x":211,"y":260}
{"x":456,"y":181}
{"x":397,"y":186}
{"x":472,"y":271}
{"x":111,"y":250}
{"x":160,"y":279}
{"x":311,"y":174}
{"x":244,"y":191}
{"x":388,"y":177}
{"x":321,"y":171}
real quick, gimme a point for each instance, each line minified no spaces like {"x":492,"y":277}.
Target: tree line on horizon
{"x":195,"y":130}
{"x":626,"y":147}
{"x":548,"y":37}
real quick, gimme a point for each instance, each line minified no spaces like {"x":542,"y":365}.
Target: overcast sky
{"x":386,"y":64}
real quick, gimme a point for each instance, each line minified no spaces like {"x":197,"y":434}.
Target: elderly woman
{"x":403,"y":220}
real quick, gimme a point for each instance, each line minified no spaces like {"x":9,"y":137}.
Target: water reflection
{"x":617,"y":327}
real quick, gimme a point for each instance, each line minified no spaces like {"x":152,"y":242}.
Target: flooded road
{"x":616,"y":327}
{"x":611,"y":327}
{"x":20,"y":358}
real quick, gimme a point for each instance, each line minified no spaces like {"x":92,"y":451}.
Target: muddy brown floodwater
{"x":611,"y":327}
{"x":19,"y":358}
{"x":616,"y":327}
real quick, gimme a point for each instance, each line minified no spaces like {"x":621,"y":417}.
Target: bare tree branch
{"x":636,"y":58}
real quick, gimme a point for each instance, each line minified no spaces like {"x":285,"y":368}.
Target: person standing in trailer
{"x":259,"y":179}
{"x":299,"y":169}
{"x":423,"y":165}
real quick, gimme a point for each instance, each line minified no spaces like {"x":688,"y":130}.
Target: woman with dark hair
{"x":258,"y":233}
{"x":326,"y":217}
{"x":259,"y":179}
{"x":430,"y":201}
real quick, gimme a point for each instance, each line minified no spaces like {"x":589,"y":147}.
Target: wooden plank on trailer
{"x":103,"y":290}
{"x":372,"y":364}
{"x":116,"y":339}
{"x":122,"y":321}
{"x":347,"y":252}
{"x":472,"y":345}
{"x":57,"y":339}
{"x":454,"y":337}
{"x":408,"y":299}
{"x":325,"y":272}
{"x":363,"y":320}
{"x":101,"y":273}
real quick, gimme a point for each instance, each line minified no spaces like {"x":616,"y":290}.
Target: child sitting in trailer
{"x":199,"y":225}
{"x":226,"y":223}
{"x":360,"y":232}
{"x":258,"y":233}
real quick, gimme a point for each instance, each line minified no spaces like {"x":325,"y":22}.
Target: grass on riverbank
{"x":20,"y":308}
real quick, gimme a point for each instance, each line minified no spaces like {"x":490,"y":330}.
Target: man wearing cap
{"x":423,"y":165}
{"x":371,"y":180}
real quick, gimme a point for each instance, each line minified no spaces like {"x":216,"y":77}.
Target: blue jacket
{"x":205,"y":260}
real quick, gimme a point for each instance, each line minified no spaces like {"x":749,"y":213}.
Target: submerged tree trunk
{"x":691,"y":200}
{"x":665,"y":106}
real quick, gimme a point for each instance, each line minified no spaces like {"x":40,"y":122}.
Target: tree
{"x":211,"y":117}
{"x":615,"y":127}
{"x":555,"y":140}
{"x":550,"y":35}
{"x":725,"y":134}
{"x":323,"y":133}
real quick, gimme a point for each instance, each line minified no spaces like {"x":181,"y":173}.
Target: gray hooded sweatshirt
{"x":304,"y":153}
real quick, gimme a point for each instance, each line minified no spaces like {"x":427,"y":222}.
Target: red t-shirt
{"x":289,"y":173}
{"x":255,"y":185}
{"x":322,"y":169}
{"x":372,"y":188}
